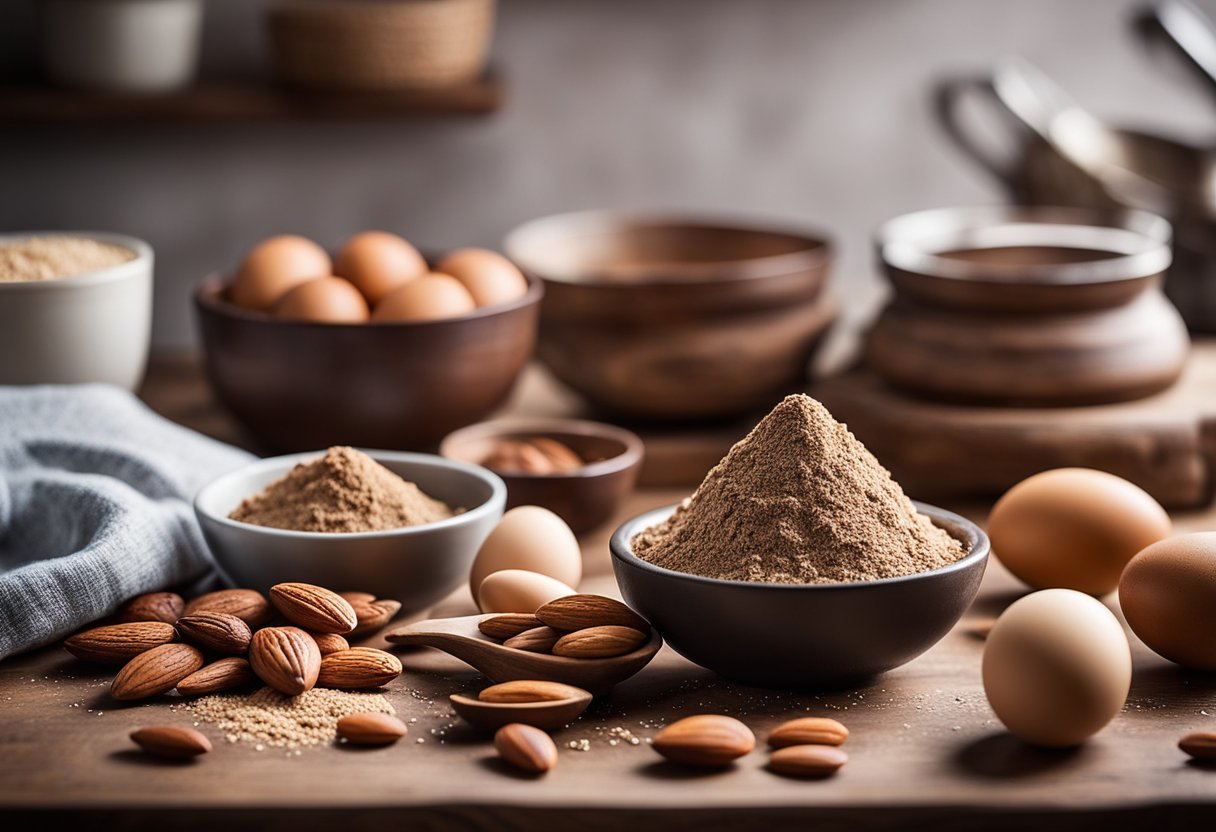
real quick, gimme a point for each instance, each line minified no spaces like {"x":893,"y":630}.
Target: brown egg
{"x":328,"y":299}
{"x":1074,"y":528}
{"x":378,"y":262}
{"x":275,"y":266}
{"x":489,"y":277}
{"x":426,"y":298}
{"x":1168,"y":596}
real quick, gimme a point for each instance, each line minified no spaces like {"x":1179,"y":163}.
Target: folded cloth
{"x":95,"y":493}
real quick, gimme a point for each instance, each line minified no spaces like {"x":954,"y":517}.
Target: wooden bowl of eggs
{"x":373,"y":347}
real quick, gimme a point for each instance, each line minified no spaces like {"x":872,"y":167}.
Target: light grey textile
{"x":95,"y":507}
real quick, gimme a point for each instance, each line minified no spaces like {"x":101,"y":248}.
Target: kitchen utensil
{"x":1189,"y":32}
{"x":490,"y":716}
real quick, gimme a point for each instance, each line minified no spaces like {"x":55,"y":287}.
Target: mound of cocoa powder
{"x":799,"y":500}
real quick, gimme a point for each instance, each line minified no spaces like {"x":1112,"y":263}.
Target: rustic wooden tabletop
{"x":925,"y":749}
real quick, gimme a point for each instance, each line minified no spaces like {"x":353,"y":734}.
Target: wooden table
{"x":925,"y":748}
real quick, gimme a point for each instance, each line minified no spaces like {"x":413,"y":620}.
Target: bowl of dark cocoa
{"x":799,"y":563}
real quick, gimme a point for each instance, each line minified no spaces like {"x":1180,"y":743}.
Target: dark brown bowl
{"x":676,"y":319}
{"x":394,"y":385}
{"x":584,"y":498}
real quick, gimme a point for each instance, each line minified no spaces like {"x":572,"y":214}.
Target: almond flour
{"x":269,"y":718}
{"x":53,"y":257}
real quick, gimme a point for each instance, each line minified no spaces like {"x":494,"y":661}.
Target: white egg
{"x":518,"y":590}
{"x":530,"y":538}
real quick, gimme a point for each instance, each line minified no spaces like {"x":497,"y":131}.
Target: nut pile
{"x":537,"y":455}
{"x":575,"y":626}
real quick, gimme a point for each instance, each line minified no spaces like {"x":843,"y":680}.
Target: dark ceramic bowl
{"x":671,"y":318}
{"x":584,"y":498}
{"x":801,"y":636}
{"x":401,"y":385}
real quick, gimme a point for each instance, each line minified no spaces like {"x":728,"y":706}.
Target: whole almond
{"x":330,"y":643}
{"x":152,"y":606}
{"x":809,"y":730}
{"x":708,"y":740}
{"x":530,"y":691}
{"x":373,"y":615}
{"x":1199,"y":744}
{"x":249,"y":605}
{"x":536,"y":640}
{"x":578,"y":612}
{"x":508,"y":625}
{"x":285,"y":658}
{"x":525,"y":747}
{"x":119,"y":643}
{"x":218,"y":632}
{"x":358,"y":668}
{"x":600,"y":642}
{"x":314,"y":607}
{"x":173,"y":741}
{"x":155,"y":672}
{"x":356,"y":597}
{"x":221,"y":675}
{"x":371,"y":729}
{"x":562,"y":456}
{"x":807,"y":760}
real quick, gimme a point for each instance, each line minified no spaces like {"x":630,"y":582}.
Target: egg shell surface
{"x":533,"y":539}
{"x":1168,"y":596}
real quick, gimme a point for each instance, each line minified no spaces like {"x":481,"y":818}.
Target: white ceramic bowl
{"x":89,"y":328}
{"x":417,"y":566}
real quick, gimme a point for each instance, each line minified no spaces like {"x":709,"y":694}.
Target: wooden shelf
{"x":243,"y":102}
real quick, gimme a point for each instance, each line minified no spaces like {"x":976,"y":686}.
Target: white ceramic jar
{"x":89,"y":328}
{"x":132,"y":46}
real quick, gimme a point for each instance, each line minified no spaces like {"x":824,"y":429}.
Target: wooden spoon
{"x":490,"y":716}
{"x":460,"y":637}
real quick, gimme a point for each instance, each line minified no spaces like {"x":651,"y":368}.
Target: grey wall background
{"x":809,"y":112}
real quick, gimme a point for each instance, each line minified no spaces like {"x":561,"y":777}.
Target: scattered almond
{"x":119,"y":643}
{"x":152,"y":606}
{"x":530,"y":691}
{"x":329,"y":643}
{"x":536,"y":640}
{"x":705,"y":740}
{"x":809,"y":730}
{"x":371,"y":729}
{"x":155,"y":672}
{"x":600,"y":642}
{"x":807,"y":760}
{"x":248,"y":605}
{"x":221,"y":675}
{"x":285,"y":658}
{"x":219,"y":632}
{"x":373,"y":615}
{"x":358,"y":668}
{"x":528,"y":749}
{"x":1199,"y":744}
{"x":578,"y":612}
{"x":173,"y":741}
{"x":314,"y":607}
{"x":507,"y":625}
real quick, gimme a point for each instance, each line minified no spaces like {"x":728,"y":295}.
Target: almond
{"x":530,"y":691}
{"x":314,"y":607}
{"x":357,"y":668}
{"x":356,"y":597}
{"x":600,"y":642}
{"x":371,"y":729}
{"x":706,"y":740}
{"x":225,"y":674}
{"x":218,"y":632}
{"x":536,"y":640}
{"x":1199,"y":744}
{"x":248,"y":605}
{"x":807,"y":760}
{"x":155,"y":672}
{"x":173,"y":741}
{"x":528,"y":749}
{"x":373,"y":615}
{"x":152,"y":606}
{"x":119,"y":643}
{"x":285,"y":658}
{"x":508,"y":625}
{"x":578,"y":612}
{"x":329,"y":643}
{"x":809,"y":730}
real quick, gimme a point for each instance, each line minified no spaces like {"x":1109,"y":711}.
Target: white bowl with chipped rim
{"x":92,"y":327}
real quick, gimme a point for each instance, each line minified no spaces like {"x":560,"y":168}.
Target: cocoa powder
{"x":799,"y":500}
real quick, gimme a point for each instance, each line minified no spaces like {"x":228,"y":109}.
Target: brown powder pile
{"x":799,"y":500}
{"x":344,"y":491}
{"x":269,"y":718}
{"x":50,"y":257}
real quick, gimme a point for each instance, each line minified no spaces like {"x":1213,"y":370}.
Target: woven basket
{"x":380,"y":44}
